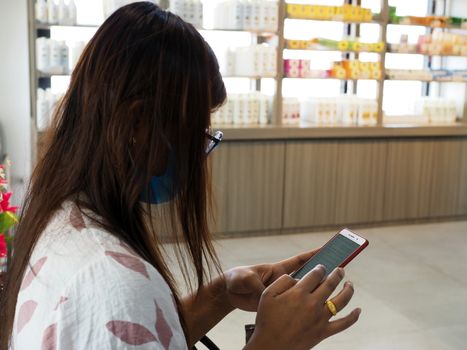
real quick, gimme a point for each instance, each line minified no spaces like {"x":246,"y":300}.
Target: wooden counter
{"x":285,"y":132}
{"x":279,"y":180}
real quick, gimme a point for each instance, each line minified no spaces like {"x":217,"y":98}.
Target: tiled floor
{"x":411,"y":283}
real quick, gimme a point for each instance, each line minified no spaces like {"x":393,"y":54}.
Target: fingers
{"x":330,"y":284}
{"x":281,"y":285}
{"x":293,"y":263}
{"x":343,"y":323}
{"x":312,"y":279}
{"x":342,"y":299}
{"x":254,"y":284}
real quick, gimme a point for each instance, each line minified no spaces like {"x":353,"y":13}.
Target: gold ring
{"x":331,"y":307}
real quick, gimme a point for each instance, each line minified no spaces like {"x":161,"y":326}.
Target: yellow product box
{"x":312,"y":11}
{"x":306,"y":11}
{"x":378,"y":47}
{"x":294,"y":44}
{"x":355,"y":46}
{"x":353,"y":73}
{"x":347,"y":9}
{"x":295,"y":10}
{"x":338,"y":13}
{"x":376,"y":74}
{"x":355,"y":14}
{"x":364,"y":65}
{"x":343,"y":45}
{"x":325,"y":12}
{"x":365,"y":74}
{"x":339,"y":72}
{"x":306,"y":44}
{"x":367,"y":15}
{"x":351,"y":64}
{"x":374,"y":66}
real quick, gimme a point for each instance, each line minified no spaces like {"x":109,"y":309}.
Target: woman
{"x":89,"y":270}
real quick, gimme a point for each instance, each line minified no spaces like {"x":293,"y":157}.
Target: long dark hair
{"x":144,"y":88}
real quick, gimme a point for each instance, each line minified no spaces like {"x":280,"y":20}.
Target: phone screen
{"x":332,"y":255}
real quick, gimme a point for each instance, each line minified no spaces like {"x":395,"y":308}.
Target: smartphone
{"x":337,"y":252}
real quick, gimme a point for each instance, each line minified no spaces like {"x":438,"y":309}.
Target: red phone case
{"x":349,"y":258}
{"x":355,"y":253}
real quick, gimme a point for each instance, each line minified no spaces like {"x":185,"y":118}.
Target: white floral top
{"x":86,"y":290}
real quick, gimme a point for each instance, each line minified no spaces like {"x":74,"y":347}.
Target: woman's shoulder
{"x":80,"y":274}
{"x":73,"y":243}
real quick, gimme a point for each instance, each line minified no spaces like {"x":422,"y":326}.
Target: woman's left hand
{"x":245,"y":284}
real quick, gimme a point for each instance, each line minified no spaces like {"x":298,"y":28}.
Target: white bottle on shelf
{"x":75,"y":52}
{"x":72,"y":13}
{"x":64,"y":57}
{"x":272,"y":14}
{"x":198,"y":15}
{"x":256,"y":14}
{"x":248,"y":15}
{"x":42,"y":110}
{"x":41,"y":11}
{"x":55,"y":57}
{"x":63,"y":13}
{"x":263,"y":110}
{"x":52,"y":12}
{"x":42,"y":54}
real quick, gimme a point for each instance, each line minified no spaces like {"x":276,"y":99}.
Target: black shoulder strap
{"x":208,"y":343}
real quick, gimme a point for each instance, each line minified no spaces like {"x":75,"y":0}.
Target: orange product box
{"x":351,"y":64}
{"x":339,"y":72}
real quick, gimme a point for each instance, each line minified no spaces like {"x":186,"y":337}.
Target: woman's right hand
{"x":293,"y":315}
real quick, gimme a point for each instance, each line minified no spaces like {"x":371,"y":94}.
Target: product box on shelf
{"x":247,"y":15}
{"x":45,"y":107}
{"x":109,"y":6}
{"x":251,"y":61}
{"x":244,"y":109}
{"x":345,"y":110}
{"x":190,"y":11}
{"x":53,"y":12}
{"x":356,"y":69}
{"x":290,"y":111}
{"x":338,"y":45}
{"x":57,"y":57}
{"x":349,"y":13}
{"x":437,"y":110}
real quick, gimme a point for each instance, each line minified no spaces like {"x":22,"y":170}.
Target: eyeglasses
{"x":213,"y":140}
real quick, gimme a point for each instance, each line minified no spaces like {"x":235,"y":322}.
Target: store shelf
{"x":268,"y":132}
{"x":255,"y":77}
{"x":427,"y":26}
{"x":334,"y":50}
{"x":329,"y":78}
{"x":424,"y":54}
{"x":427,"y":80}
{"x":50,"y":75}
{"x":259,"y":32}
{"x":50,"y":26}
{"x":374,"y":21}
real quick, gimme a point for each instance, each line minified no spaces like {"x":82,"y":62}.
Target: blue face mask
{"x":162,"y":188}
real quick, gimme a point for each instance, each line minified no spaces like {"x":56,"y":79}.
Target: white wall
{"x":14,"y":91}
